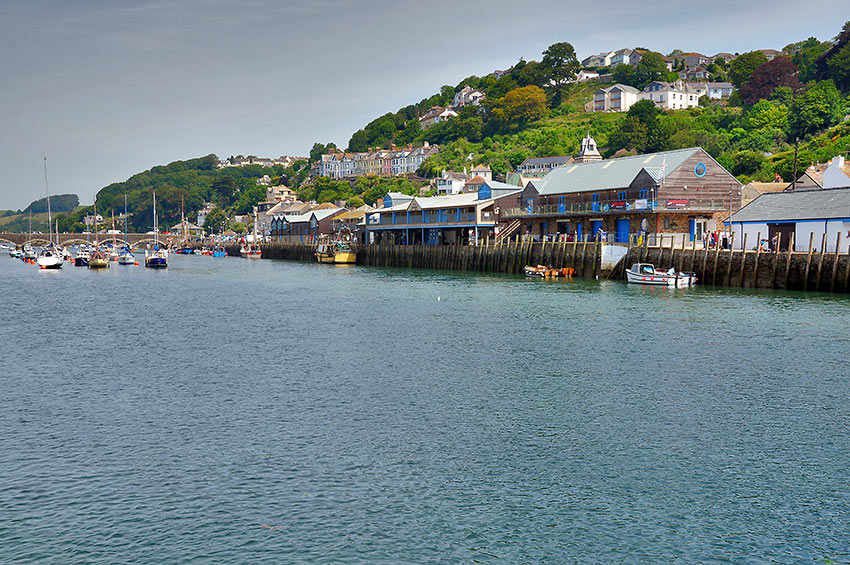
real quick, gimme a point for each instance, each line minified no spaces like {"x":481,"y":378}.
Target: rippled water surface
{"x":239,"y":411}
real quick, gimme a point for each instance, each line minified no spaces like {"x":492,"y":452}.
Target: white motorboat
{"x":50,"y":259}
{"x":15,"y":253}
{"x":126,"y":257}
{"x":646,"y":273}
{"x":29,"y":252}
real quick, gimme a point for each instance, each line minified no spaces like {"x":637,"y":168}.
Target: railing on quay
{"x":617,"y":207}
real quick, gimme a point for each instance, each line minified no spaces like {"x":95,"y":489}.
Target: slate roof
{"x":823,"y":204}
{"x":609,"y":174}
{"x":561,"y":159}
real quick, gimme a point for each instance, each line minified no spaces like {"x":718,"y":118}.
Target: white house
{"x":669,"y":96}
{"x":719,"y":90}
{"x":451,"y":182}
{"x":837,"y":174}
{"x":436,"y":115}
{"x":616,"y":98}
{"x":467,"y":96}
{"x":621,"y":57}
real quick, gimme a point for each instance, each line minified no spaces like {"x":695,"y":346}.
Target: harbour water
{"x":235,"y":411}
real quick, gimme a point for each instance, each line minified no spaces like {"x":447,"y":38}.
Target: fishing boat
{"x":158,"y":257}
{"x":219,"y":251}
{"x":343,"y":252}
{"x":646,"y":273}
{"x":324,"y":251}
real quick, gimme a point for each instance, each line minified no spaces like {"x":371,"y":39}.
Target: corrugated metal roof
{"x":789,"y":206}
{"x":609,"y":174}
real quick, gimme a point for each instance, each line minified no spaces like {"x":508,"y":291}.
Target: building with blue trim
{"x":458,"y":218}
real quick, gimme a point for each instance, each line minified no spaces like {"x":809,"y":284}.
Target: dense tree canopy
{"x":780,"y":71}
{"x":742,"y":67}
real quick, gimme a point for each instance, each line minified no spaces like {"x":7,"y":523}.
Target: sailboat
{"x":97,"y":258}
{"x":126,"y":257}
{"x":252,"y":250}
{"x":28,"y":254}
{"x":158,"y":258}
{"x":51,"y":257}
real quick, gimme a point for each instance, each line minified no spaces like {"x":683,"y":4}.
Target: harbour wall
{"x":810,"y":270}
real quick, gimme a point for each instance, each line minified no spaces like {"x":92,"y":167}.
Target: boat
{"x":28,"y":253}
{"x":204,"y":251}
{"x":49,"y":258}
{"x":81,"y":259}
{"x":324,"y":251}
{"x":125,"y":256}
{"x":251,"y":251}
{"x":15,"y":253}
{"x":343,"y":254}
{"x":158,"y":258}
{"x":98,"y":258}
{"x":544,"y":272}
{"x":219,"y":251}
{"x":646,"y":273}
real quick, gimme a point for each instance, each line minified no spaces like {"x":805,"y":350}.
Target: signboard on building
{"x":618,"y":205}
{"x":641,"y":204}
{"x":681,"y":203}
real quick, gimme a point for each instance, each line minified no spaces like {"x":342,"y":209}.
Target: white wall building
{"x":617,"y":98}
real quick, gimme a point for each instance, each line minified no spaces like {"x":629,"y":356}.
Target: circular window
{"x":700,"y":169}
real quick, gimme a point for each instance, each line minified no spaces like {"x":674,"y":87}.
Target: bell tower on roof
{"x":589,"y":151}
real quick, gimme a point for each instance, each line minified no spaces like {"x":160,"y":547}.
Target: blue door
{"x":562,"y":204}
{"x":530,"y":205}
{"x":578,"y":231}
{"x":622,"y":230}
{"x":692,"y":227}
{"x":595,"y":226}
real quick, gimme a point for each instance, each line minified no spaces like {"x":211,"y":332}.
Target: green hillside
{"x":535,"y":110}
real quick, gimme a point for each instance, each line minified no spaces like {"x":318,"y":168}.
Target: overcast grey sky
{"x":107,"y":89}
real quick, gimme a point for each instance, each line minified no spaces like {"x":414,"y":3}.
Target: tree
{"x":779,"y":71}
{"x":765,"y":114}
{"x":216,"y":221}
{"x":839,"y":71}
{"x":742,"y":67}
{"x":520,"y":106}
{"x":623,"y":74}
{"x":652,"y":66}
{"x":359,"y":141}
{"x":318,"y":150}
{"x":559,"y":67}
{"x":223,"y":190}
{"x":819,"y":107}
{"x":805,"y":55}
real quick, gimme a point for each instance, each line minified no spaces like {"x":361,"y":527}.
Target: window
{"x":644,"y":193}
{"x":622,"y":195}
{"x":667,"y":223}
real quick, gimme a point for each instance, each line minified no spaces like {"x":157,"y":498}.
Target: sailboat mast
{"x":125,"y":221}
{"x":155,"y":230}
{"x":49,"y":216}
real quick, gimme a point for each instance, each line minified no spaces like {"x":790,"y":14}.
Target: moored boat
{"x":324,"y":252}
{"x":98,"y":259}
{"x":344,"y":254}
{"x":544,"y":272}
{"x":158,"y":258}
{"x":251,"y":251}
{"x":219,"y":251}
{"x":49,"y":259}
{"x":81,"y":258}
{"x":646,"y":273}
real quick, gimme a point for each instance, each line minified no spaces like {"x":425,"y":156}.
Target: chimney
{"x":838,"y":161}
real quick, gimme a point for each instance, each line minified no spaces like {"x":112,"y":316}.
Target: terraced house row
{"x":380,"y":162}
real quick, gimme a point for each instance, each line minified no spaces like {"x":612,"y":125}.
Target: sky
{"x":106,"y":89}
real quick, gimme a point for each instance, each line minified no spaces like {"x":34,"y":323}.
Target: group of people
{"x":711,"y":239}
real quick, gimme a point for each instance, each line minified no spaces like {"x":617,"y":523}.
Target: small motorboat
{"x":81,"y":259}
{"x":544,"y":272}
{"x":219,"y":251}
{"x":251,"y":251}
{"x":646,"y":273}
{"x":29,"y":252}
{"x":15,"y":253}
{"x":49,"y":259}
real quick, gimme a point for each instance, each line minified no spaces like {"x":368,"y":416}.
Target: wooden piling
{"x":835,"y":262}
{"x":788,"y":260}
{"x":743,"y":260}
{"x":808,"y":261}
{"x":820,"y":259}
{"x":756,"y":267}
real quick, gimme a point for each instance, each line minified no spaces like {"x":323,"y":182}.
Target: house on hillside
{"x":451,"y":182}
{"x":727,"y":57}
{"x":621,"y":57}
{"x":616,"y":98}
{"x":467,"y":96}
{"x":696,"y":73}
{"x":600,"y":60}
{"x":693,"y":60}
{"x":720,"y":90}
{"x":771,"y":54}
{"x":435,"y":115}
{"x":679,"y":194}
{"x":669,"y":96}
